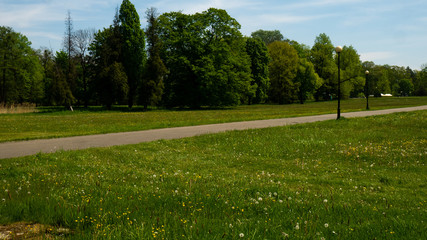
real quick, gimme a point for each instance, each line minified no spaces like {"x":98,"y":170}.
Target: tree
{"x":283,"y":69}
{"x":258,"y":54}
{"x":205,"y":54}
{"x":324,"y":65}
{"x":155,"y":71}
{"x":62,"y":94}
{"x":21,"y":73}
{"x":353,"y":79}
{"x":268,"y":36}
{"x":83,"y":39}
{"x":110,"y":75}
{"x":69,"y":48}
{"x":133,"y":54}
{"x":420,"y":83}
{"x":307,"y":80}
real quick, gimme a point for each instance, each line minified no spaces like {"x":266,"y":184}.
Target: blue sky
{"x":390,"y":32}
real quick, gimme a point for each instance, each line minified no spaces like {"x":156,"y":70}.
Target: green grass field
{"x":349,"y":179}
{"x":50,"y":124}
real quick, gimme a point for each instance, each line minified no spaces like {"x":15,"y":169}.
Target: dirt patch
{"x":23,"y":230}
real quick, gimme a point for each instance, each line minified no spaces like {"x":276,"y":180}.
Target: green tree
{"x":205,"y":54}
{"x":83,"y":39}
{"x":404,"y":88}
{"x":324,"y":65}
{"x":352,"y":74}
{"x":152,"y":84}
{"x":21,"y":73}
{"x":268,"y":36}
{"x":133,"y":54}
{"x":258,"y":54}
{"x":61,"y":92}
{"x":110,"y":76}
{"x":307,"y":80}
{"x":420,"y":83}
{"x":283,"y":69}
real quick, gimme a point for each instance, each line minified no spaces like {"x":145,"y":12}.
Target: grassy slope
{"x":65,"y":123}
{"x":349,"y":179}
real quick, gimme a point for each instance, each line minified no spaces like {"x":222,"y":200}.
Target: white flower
{"x":325,"y":200}
{"x":280,"y":201}
{"x":241,"y":235}
{"x":297,"y":227}
{"x":326,"y":225}
{"x":289,"y":198}
{"x":260,"y":199}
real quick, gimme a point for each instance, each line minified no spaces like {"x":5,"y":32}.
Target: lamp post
{"x":338,"y":50}
{"x":367,"y":89}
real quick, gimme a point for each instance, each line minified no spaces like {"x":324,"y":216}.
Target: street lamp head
{"x":366,"y":72}
{"x":338,"y":49}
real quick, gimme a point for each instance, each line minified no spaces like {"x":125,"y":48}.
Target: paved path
{"x":24,"y":148}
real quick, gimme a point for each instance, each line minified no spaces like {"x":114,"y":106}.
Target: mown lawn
{"x":349,"y":179}
{"x":50,"y":124}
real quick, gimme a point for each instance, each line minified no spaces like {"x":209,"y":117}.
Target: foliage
{"x":133,"y":53}
{"x":110,"y":74}
{"x":307,"y":80}
{"x":21,"y":73}
{"x":155,"y":71}
{"x":205,"y":55}
{"x":324,"y":65}
{"x":61,"y":91}
{"x":352,"y":80}
{"x":258,"y":54}
{"x":282,"y":70}
{"x":268,"y":36}
{"x":293,"y":182}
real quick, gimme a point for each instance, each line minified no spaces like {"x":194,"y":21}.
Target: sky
{"x":392,"y":32}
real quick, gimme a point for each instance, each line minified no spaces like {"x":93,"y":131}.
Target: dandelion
{"x":241,"y":235}
{"x":297,"y":227}
{"x":289,"y":198}
{"x":326,"y":225}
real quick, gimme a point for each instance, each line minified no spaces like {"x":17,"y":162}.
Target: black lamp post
{"x":338,"y":50}
{"x":367,"y":89}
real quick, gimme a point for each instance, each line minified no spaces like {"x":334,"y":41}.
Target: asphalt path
{"x":31,"y":147}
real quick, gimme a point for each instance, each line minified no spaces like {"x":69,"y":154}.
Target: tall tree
{"x":83,"y":39}
{"x":283,"y":69}
{"x":268,"y":36}
{"x":205,"y":54}
{"x":353,"y":79}
{"x":21,"y":73}
{"x":62,"y":94}
{"x":111,"y":79}
{"x":420,"y":83}
{"x":324,"y":65}
{"x":69,"y":48}
{"x":258,"y":54}
{"x":152,"y":83}
{"x":307,"y":80}
{"x":133,"y":54}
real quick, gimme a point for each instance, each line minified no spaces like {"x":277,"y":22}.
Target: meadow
{"x":56,"y":122}
{"x":362,"y":178}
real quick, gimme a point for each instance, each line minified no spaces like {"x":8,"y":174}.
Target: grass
{"x":51,"y":124}
{"x":17,"y":108}
{"x":349,"y":179}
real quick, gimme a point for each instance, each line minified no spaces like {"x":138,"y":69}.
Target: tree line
{"x":187,"y":60}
